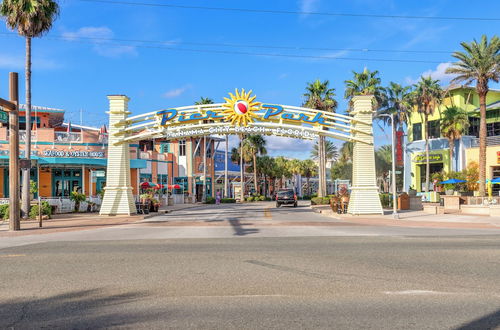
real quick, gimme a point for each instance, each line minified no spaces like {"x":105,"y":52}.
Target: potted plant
{"x":77,"y":198}
{"x":155,"y":205}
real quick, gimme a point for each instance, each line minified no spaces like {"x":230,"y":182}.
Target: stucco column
{"x":364,"y":191}
{"x":118,"y":198}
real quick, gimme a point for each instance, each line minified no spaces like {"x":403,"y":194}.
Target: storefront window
{"x":434,"y":129}
{"x":182,"y":148}
{"x":65,"y":181}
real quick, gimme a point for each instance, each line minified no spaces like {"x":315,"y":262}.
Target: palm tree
{"x":331,"y":152}
{"x":454,"y":123}
{"x":282,"y":169}
{"x":204,"y":100}
{"x":31,"y":19}
{"x":294,"y":167}
{"x":308,"y":169}
{"x":364,"y":83}
{"x":265,"y":168}
{"x":321,"y":97}
{"x":428,"y":94}
{"x":346,"y":152}
{"x":255,"y":145}
{"x":398,"y":102}
{"x":479,"y":62}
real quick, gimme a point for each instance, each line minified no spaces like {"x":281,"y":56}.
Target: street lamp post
{"x":395,"y":214}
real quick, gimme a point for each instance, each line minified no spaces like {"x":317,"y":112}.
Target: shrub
{"x":262,"y":198}
{"x":320,"y":201}
{"x":4,"y":211}
{"x":46,"y":210}
{"x":250,"y":199}
{"x":77,"y":198}
{"x":268,"y":199}
{"x":210,"y":200}
{"x":228,"y":200}
{"x":306,"y":197}
{"x":385,"y":199}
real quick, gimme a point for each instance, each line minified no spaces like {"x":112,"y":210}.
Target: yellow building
{"x":466,"y":149}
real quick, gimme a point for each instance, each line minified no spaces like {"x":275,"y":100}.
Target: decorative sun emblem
{"x":240,"y":108}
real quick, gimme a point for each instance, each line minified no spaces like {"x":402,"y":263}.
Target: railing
{"x":485,"y":201}
{"x":22,"y":135}
{"x":68,"y":137}
{"x":490,"y":141}
{"x":144,"y":155}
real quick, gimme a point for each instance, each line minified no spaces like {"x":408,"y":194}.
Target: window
{"x":182,"y":148}
{"x":417,"y":132}
{"x":474,"y":126}
{"x":434,"y":129}
{"x":493,"y":129}
{"x":165,"y":147}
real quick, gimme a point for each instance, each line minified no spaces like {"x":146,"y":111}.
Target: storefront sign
{"x":433,"y":158}
{"x":240,"y":109}
{"x":73,"y":154}
{"x":498,"y":157}
{"x":99,"y":174}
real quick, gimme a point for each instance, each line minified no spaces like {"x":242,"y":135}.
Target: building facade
{"x":74,"y":158}
{"x":466,"y":149}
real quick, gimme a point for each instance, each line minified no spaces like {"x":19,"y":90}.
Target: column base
{"x":118,"y":201}
{"x":364,"y":200}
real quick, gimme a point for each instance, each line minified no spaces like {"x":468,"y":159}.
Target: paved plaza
{"x":252,"y":266}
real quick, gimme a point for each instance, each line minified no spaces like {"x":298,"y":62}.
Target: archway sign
{"x":240,"y":114}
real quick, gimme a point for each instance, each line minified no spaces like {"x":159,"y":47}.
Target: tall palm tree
{"x":31,"y":19}
{"x":331,"y":151}
{"x":204,"y":100}
{"x":364,"y":83}
{"x":282,"y":169}
{"x":321,"y":97}
{"x":255,"y":145}
{"x":427,"y":96}
{"x":346,"y":152}
{"x":454,"y":122}
{"x":308,"y":168}
{"x":480,"y":62}
{"x":399,"y":103}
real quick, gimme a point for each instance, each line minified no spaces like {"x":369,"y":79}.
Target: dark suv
{"x":286,"y":196}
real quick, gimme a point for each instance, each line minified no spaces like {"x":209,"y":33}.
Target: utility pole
{"x":12,"y":107}
{"x":204,"y":197}
{"x":226,"y":184}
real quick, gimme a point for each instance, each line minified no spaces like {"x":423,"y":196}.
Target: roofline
{"x":454,"y":87}
{"x":81,"y":126}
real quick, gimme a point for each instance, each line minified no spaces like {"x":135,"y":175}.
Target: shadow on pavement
{"x":489,"y":321}
{"x":84,"y":309}
{"x":239,"y":230}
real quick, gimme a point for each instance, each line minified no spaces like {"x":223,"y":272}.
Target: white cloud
{"x":438,"y":73}
{"x":98,"y":36}
{"x":308,"y":5}
{"x":176,"y":92}
{"x":286,"y":144}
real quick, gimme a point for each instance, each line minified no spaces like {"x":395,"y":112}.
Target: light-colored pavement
{"x":250,"y":220}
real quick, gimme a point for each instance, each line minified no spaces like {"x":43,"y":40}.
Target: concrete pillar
{"x":118,"y":198}
{"x":364,"y":191}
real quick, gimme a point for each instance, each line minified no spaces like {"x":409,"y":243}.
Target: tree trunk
{"x":482,"y":144}
{"x":256,"y":188}
{"x":427,"y":163}
{"x":452,"y":147}
{"x":25,"y":196}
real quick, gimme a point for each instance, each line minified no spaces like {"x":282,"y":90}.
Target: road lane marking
{"x":12,"y":255}
{"x":414,"y":292}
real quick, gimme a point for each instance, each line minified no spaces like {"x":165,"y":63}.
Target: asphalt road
{"x":246,"y":281}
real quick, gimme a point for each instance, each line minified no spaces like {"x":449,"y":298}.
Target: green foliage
{"x":261,"y":198}
{"x":31,"y":18}
{"x":306,"y":197}
{"x":4,"y":211}
{"x":46,"y":210}
{"x":320,"y":96}
{"x":386,"y":199}
{"x":320,"y":201}
{"x":33,"y":187}
{"x":77,"y":197}
{"x":210,"y":200}
{"x":250,"y":199}
{"x":228,"y":200}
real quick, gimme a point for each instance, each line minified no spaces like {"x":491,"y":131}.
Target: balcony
{"x":490,"y":141}
{"x":22,"y":136}
{"x":68,"y":137}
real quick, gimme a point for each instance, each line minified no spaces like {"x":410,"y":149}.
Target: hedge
{"x":228,"y":200}
{"x":320,"y":201}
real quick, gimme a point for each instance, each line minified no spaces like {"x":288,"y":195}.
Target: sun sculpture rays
{"x":240,"y":108}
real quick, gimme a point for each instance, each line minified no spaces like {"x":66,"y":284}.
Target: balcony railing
{"x":22,"y":135}
{"x":490,"y":141}
{"x":68,"y":137}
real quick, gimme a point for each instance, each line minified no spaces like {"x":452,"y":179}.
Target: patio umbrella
{"x":174,"y":186}
{"x":148,"y":185}
{"x":453,"y":181}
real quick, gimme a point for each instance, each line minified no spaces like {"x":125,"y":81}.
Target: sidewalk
{"x":80,"y":221}
{"x":414,"y":219}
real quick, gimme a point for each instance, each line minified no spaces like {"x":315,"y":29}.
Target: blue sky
{"x":76,"y":74}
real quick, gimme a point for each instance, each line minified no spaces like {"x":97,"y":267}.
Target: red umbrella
{"x":148,"y":185}
{"x":158,"y":186}
{"x":174,"y":186}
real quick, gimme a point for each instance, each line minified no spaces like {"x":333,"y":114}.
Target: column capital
{"x":362,"y":104}
{"x":119,"y":97}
